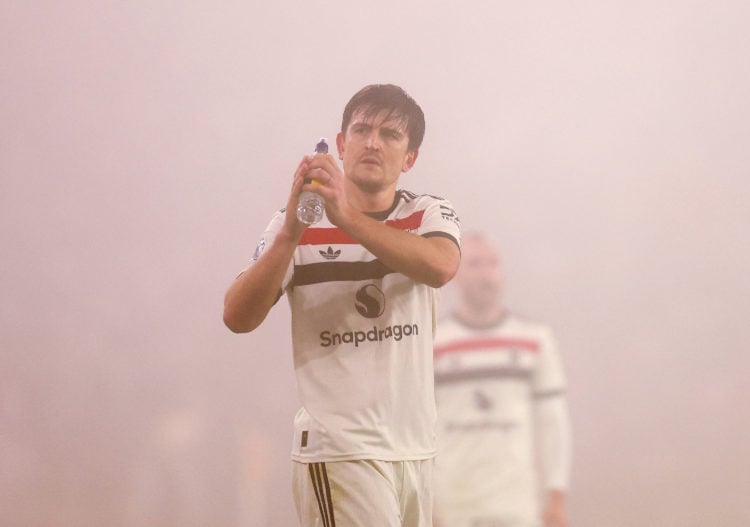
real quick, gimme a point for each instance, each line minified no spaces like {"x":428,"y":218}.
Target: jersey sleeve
{"x":552,"y":419}
{"x":440,"y":219}
{"x":266,"y":239}
{"x":554,"y":442}
{"x":549,"y":378}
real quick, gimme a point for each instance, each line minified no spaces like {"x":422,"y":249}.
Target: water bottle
{"x":311,"y":206}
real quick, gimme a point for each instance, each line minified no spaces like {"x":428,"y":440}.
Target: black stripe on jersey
{"x":408,"y":195}
{"x":441,"y":234}
{"x":383,"y":214}
{"x":489,"y":373}
{"x":320,"y":272}
{"x":322,"y":493}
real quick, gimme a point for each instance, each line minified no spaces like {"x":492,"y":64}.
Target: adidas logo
{"x":330,"y":254}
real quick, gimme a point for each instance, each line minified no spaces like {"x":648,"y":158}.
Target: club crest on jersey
{"x":370,"y":301}
{"x":330,"y":254}
{"x":482,"y":401}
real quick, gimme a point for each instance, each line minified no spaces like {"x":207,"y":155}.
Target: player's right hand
{"x":292,"y":226}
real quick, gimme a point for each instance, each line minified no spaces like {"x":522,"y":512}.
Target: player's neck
{"x":371,"y":201}
{"x":480,"y":318}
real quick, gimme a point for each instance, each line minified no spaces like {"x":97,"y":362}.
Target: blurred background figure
{"x":504,"y":432}
{"x":610,"y":136}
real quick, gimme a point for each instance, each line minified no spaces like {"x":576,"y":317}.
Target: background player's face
{"x":480,"y":276}
{"x":375,"y":151}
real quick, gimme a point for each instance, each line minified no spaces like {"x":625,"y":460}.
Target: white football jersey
{"x":486,"y":383}
{"x":362,"y":337}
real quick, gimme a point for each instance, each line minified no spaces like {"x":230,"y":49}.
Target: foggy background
{"x":145,"y":145}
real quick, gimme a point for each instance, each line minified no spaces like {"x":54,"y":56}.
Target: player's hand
{"x":555,"y":514}
{"x":329,"y":183}
{"x":292,"y":226}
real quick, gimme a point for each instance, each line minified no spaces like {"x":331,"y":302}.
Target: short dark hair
{"x":375,"y":98}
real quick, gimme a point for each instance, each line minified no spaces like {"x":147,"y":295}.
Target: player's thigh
{"x":416,"y":492}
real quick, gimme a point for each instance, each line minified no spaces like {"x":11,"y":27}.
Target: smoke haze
{"x":145,"y":145}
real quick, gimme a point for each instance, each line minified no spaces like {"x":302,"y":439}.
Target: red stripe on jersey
{"x":489,"y":343}
{"x":409,"y":223}
{"x":334,"y":235}
{"x":321,"y":236}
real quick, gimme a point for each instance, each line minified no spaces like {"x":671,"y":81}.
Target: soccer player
{"x":362,"y":287}
{"x":502,"y":413}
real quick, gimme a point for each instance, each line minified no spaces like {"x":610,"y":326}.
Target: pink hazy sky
{"x":144,"y":146}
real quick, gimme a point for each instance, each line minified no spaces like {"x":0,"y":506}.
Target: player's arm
{"x":432,"y":261}
{"x":555,"y":512}
{"x":254,"y":292}
{"x":553,"y":427}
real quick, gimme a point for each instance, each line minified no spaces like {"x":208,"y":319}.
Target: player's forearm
{"x":432,"y":261}
{"x":555,"y":442}
{"x":252,"y":295}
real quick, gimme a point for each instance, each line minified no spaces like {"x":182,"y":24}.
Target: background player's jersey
{"x":362,"y":337}
{"x":486,"y":383}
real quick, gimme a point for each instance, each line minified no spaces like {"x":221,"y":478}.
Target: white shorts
{"x":363,"y":493}
{"x":474,"y":519}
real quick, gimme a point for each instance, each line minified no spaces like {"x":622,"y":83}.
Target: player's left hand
{"x":325,"y":170}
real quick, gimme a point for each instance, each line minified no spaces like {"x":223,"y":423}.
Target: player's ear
{"x":340,"y":144}
{"x":409,"y":160}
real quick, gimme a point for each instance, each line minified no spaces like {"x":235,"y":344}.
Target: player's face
{"x":480,"y":278}
{"x":375,"y":152}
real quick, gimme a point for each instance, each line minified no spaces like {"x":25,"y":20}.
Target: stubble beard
{"x":370,"y":185}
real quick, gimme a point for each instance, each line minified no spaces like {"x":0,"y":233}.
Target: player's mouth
{"x":371,"y":161}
